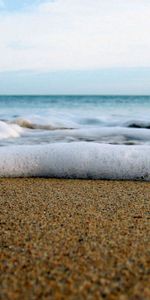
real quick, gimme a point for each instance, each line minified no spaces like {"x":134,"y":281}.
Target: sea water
{"x":75,"y":136}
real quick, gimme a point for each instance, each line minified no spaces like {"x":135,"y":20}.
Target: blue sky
{"x":16,"y":5}
{"x":74,"y":47}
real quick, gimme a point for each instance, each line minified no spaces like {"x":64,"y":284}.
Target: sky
{"x":74,"y":47}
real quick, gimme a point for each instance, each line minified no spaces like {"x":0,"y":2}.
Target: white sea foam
{"x":100,"y":132}
{"x":76,"y":160}
{"x":111,"y":135}
{"x":9,"y":130}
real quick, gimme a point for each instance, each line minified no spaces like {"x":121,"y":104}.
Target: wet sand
{"x":74,"y":239}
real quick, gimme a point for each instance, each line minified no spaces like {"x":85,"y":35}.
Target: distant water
{"x":47,"y":123}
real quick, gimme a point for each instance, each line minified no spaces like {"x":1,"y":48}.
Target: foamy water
{"x":76,"y":160}
{"x":75,"y":137}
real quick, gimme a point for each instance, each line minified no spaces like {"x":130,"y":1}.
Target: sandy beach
{"x":74,"y":239}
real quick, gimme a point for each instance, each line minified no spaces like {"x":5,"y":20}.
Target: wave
{"x":138,"y":124}
{"x":38,"y":129}
{"x":116,"y":135}
{"x":76,"y":160}
{"x":29,"y":125}
{"x":45,"y":134}
{"x":73,"y":122}
{"x":9,"y":130}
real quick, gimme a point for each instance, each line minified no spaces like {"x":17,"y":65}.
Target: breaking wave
{"x":9,"y":130}
{"x":30,"y":125}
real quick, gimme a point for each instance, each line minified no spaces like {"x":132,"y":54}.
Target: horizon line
{"x":72,"y":95}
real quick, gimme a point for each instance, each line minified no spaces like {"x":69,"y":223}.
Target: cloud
{"x":75,"y":34}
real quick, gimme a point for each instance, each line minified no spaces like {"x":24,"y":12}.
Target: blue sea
{"x":74,"y":133}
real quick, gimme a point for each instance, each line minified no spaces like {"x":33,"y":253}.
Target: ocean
{"x":75,"y":136}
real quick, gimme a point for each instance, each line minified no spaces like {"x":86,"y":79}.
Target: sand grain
{"x":74,"y":239}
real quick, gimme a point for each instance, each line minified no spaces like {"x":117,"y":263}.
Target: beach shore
{"x":74,"y":239}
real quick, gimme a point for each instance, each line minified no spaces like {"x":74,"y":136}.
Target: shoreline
{"x":74,"y":239}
